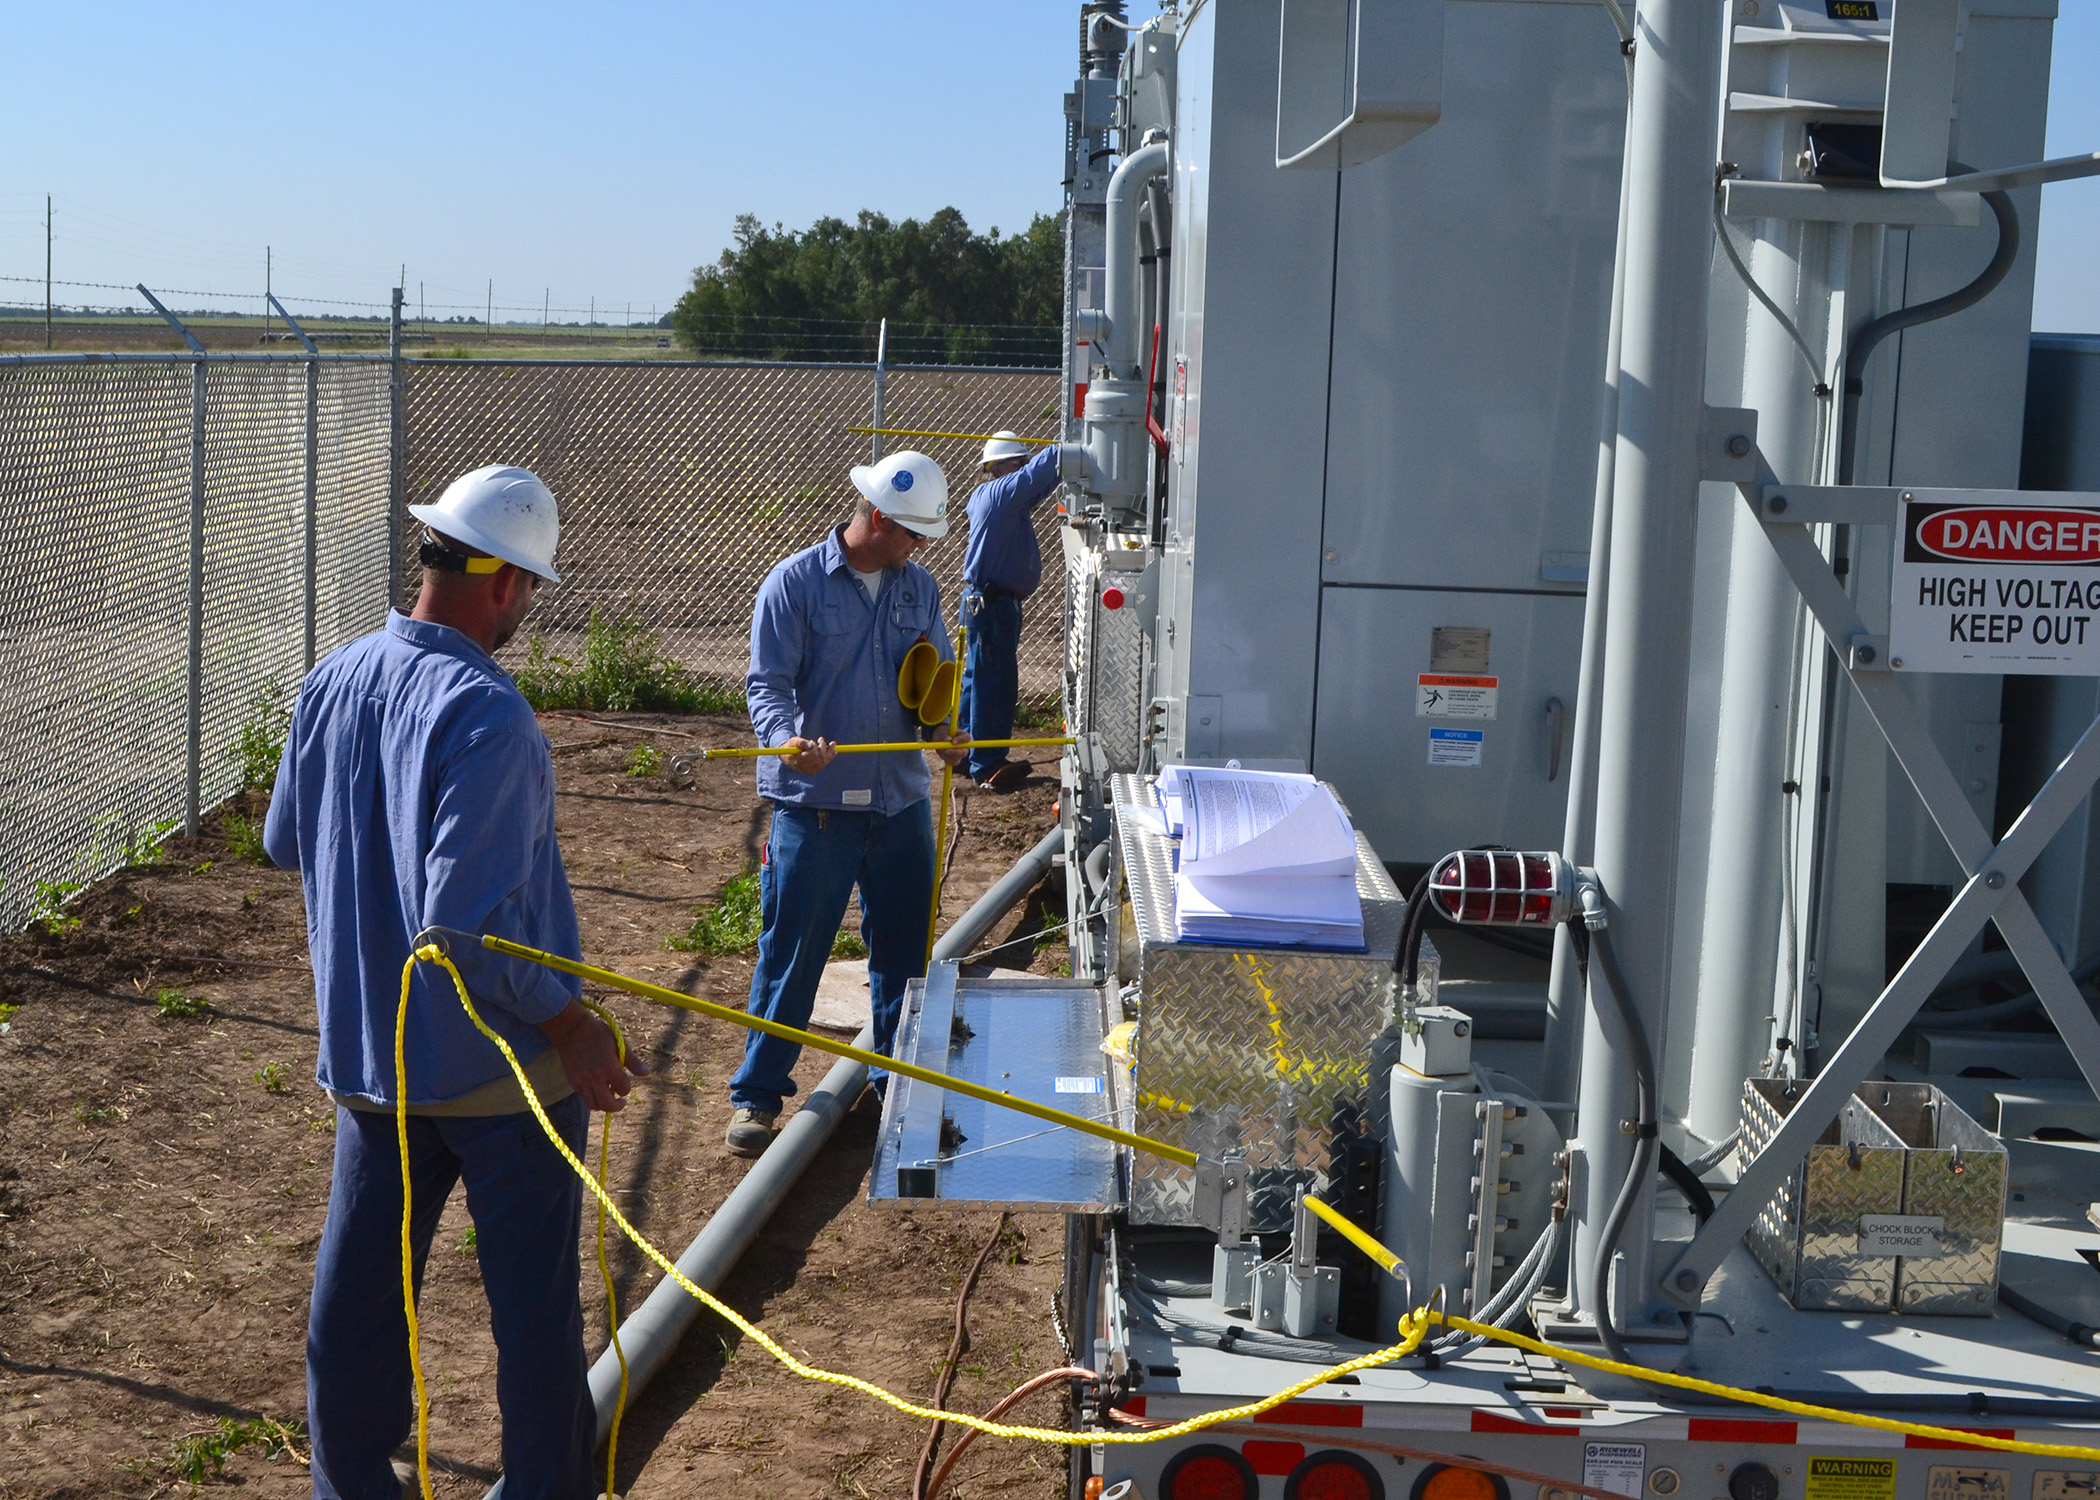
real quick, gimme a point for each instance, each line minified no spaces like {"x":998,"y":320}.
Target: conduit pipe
{"x":652,"y":1332}
{"x":1122,"y":350}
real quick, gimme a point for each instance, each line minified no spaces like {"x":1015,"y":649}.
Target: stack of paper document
{"x":1267,"y":859}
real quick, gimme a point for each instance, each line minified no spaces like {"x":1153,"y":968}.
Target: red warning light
{"x":1503,"y":888}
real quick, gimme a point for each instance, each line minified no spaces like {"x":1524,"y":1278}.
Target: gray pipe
{"x":653,"y":1330}
{"x":1123,"y":351}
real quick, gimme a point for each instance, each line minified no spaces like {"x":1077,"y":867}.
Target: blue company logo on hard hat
{"x":901,"y":479}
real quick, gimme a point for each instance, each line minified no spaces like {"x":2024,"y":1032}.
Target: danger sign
{"x":1997,"y":587}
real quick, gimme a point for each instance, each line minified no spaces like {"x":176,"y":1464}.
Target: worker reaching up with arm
{"x":1002,"y":567}
{"x":829,"y":633}
{"x":416,"y":790}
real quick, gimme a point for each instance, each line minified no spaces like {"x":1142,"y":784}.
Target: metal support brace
{"x":173,"y":322}
{"x":1991,"y":892}
{"x":293,"y":324}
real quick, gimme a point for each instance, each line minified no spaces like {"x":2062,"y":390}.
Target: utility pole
{"x":422,"y":315}
{"x":488,"y":328}
{"x":591,"y":328}
{"x":47,"y":270}
{"x":268,"y":291}
{"x":546,"y":296}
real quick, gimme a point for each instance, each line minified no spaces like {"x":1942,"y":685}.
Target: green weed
{"x":203,"y":1455}
{"x":644,"y":760}
{"x":48,"y":908}
{"x":468,"y":1241}
{"x":203,"y":867}
{"x":244,"y":838}
{"x":731,"y":925}
{"x":258,"y":744}
{"x":1043,"y":713}
{"x":89,"y":1114}
{"x":7,"y":1016}
{"x":174,"y":1005}
{"x":623,"y":669}
{"x":275,"y":1078}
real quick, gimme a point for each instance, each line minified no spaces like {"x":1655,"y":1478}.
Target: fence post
{"x":882,"y":348}
{"x":396,"y":456}
{"x":313,"y":484}
{"x":193,"y":760}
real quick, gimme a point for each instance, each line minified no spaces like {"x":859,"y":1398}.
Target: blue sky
{"x":581,"y":154}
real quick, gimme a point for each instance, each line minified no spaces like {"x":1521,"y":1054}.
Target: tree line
{"x":951,"y":296}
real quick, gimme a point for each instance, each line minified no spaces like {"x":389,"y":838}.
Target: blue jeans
{"x":991,"y":675}
{"x":527,"y":1207}
{"x":813,"y":860}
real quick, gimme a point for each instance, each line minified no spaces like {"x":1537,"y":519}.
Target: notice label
{"x":1900,"y":1234}
{"x":1442,"y":696}
{"x":1618,"y":1467}
{"x":1983,"y":587}
{"x":1947,"y":1482}
{"x":1455,"y":747}
{"x":1851,"y":1479}
{"x":1079,"y":1085}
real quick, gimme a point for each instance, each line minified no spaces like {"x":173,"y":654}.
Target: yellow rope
{"x":940,"y":838}
{"x":436,"y":955}
{"x":612,"y":1299}
{"x":1413,"y":1326}
{"x":885,"y":747}
{"x":408,"y":1268}
{"x":408,"y":1257}
{"x":1385,"y":1257}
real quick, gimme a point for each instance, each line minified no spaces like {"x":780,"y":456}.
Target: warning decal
{"x":1851,"y":1479}
{"x":1440,"y":695}
{"x":1997,"y":588}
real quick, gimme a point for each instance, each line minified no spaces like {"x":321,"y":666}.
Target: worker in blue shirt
{"x":1001,"y":567}
{"x":829,"y":633}
{"x":416,"y":790}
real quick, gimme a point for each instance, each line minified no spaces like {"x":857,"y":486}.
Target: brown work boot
{"x":750,"y":1132}
{"x":1004,"y":778}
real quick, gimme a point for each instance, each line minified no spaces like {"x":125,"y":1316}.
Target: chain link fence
{"x":180,"y":534}
{"x":156,"y":521}
{"x":682,"y":485}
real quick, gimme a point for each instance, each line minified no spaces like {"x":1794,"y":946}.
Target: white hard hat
{"x":1003,"y":445}
{"x":502,"y":510}
{"x":909,"y":488}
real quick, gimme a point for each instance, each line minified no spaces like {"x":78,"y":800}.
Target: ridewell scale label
{"x":1994,"y":584}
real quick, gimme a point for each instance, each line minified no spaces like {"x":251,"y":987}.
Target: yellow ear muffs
{"x":916,"y":674}
{"x":938,"y":705}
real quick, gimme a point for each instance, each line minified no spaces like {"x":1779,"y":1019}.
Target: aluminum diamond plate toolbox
{"x":1246,"y":1049}
{"x":1954,"y":1177}
{"x":1808,"y":1235}
{"x":1105,"y":649}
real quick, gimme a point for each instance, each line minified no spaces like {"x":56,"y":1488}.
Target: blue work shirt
{"x":416,"y":790}
{"x":824,"y":663}
{"x":1003,"y":552}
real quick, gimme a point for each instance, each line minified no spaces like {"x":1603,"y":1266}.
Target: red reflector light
{"x":1503,"y":888}
{"x":1335,"y":1475}
{"x":1208,"y":1472}
{"x":1111,"y":598}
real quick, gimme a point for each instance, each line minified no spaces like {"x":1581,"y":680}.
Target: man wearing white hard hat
{"x":829,"y":634}
{"x":1001,"y":567}
{"x":416,"y":791}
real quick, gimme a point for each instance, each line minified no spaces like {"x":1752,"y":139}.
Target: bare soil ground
{"x":163,"y":1183}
